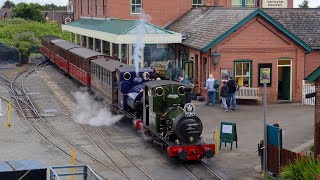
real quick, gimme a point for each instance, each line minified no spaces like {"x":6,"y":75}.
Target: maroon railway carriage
{"x":80,"y":63}
{"x":62,"y":55}
{"x":48,"y":46}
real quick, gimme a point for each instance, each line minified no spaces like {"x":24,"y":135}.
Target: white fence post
{"x":307,"y":88}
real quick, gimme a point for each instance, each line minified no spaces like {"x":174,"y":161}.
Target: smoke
{"x":92,"y":112}
{"x":138,"y":45}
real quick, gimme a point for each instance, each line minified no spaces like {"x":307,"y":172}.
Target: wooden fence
{"x":307,"y":88}
{"x":276,"y":161}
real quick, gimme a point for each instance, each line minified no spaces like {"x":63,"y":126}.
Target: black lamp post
{"x":216,"y":59}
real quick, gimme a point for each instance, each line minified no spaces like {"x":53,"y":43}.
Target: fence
{"x":307,"y":88}
{"x":82,"y":172}
{"x":278,"y":158}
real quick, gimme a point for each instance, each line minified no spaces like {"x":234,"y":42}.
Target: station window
{"x":136,"y":6}
{"x":196,"y":3}
{"x":243,"y":3}
{"x":104,"y":7}
{"x":188,"y":70}
{"x":243,"y":73}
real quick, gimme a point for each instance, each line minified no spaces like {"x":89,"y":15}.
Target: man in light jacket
{"x":211,"y":90}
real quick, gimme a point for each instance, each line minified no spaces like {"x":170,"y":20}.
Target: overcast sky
{"x":312,"y":3}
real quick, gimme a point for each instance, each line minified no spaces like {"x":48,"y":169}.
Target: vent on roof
{"x":185,"y":36}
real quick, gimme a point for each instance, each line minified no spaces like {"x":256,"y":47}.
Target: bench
{"x":249,"y":93}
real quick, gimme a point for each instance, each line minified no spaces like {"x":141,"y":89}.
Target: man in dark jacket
{"x":232,"y":93}
{"x":224,"y":93}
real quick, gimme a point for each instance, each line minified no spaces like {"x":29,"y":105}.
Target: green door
{"x":286,"y":83}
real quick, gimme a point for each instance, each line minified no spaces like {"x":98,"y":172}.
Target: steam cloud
{"x":139,"y":42}
{"x":92,"y":112}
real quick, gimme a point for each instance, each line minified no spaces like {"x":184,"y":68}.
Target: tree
{"x":28,"y":11}
{"x":304,"y":4}
{"x":8,"y":4}
{"x":25,"y":34}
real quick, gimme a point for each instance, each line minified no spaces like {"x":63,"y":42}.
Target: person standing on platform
{"x":211,"y":90}
{"x":232,"y":85}
{"x":224,"y":93}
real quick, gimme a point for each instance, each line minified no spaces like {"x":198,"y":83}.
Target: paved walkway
{"x":296,"y":121}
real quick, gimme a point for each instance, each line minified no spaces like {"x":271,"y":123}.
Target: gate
{"x":308,"y":88}
{"x":279,"y":157}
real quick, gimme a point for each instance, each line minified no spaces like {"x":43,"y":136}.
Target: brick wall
{"x":312,"y":62}
{"x":259,"y":42}
{"x":159,"y":12}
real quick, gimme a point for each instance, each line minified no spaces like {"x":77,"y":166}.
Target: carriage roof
{"x":109,"y":64}
{"x":85,"y":53}
{"x":49,"y":38}
{"x":66,"y":45}
{"x":132,"y":69}
{"x":57,"y":40}
{"x":156,"y":83}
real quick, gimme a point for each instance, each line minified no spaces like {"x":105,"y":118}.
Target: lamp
{"x":216,"y":59}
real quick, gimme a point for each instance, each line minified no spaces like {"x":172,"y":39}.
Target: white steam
{"x":139,"y":45}
{"x":92,"y":112}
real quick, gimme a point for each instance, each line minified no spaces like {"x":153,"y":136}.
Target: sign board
{"x":275,"y":4}
{"x":274,"y":136}
{"x":189,"y":110}
{"x":228,"y":133}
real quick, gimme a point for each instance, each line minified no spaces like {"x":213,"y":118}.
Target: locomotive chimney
{"x":187,"y":92}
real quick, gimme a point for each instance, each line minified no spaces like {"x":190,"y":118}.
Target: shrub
{"x":303,"y":168}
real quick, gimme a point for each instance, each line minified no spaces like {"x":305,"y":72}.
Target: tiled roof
{"x":118,"y":26}
{"x":201,"y":28}
{"x":304,"y":23}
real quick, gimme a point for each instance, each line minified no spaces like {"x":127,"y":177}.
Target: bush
{"x":303,"y":168}
{"x":25,"y":34}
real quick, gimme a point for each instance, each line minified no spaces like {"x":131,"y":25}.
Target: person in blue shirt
{"x":211,"y":90}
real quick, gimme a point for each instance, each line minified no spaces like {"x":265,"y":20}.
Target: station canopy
{"x":122,"y":31}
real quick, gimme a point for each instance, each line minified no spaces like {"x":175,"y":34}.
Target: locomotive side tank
{"x":170,"y":117}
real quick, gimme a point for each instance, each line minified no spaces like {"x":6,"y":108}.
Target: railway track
{"x":197,"y":171}
{"x":123,"y":162}
{"x":25,"y":106}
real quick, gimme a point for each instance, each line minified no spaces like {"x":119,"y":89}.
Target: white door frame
{"x":290,"y":74}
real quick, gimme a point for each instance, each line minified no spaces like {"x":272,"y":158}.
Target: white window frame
{"x":131,"y":4}
{"x":251,"y":5}
{"x":243,"y":74}
{"x":197,"y":4}
{"x":236,"y":5}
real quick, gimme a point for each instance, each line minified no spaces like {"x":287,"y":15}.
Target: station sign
{"x":275,"y":4}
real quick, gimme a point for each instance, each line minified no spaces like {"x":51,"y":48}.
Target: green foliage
{"x":8,"y":4}
{"x":54,"y":7}
{"x":304,"y":168}
{"x":28,"y":11}
{"x":311,"y":148}
{"x":25,"y":34}
{"x":304,"y":4}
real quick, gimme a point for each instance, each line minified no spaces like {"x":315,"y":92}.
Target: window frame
{"x":250,"y":69}
{"x":135,"y":4}
{"x":244,"y":4}
{"x":198,"y":4}
{"x":96,"y":3}
{"x":188,"y":71}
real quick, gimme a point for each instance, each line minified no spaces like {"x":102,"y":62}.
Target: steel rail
{"x":112,"y":144}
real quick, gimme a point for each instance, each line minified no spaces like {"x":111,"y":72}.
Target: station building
{"x":247,"y":41}
{"x":223,"y":37}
